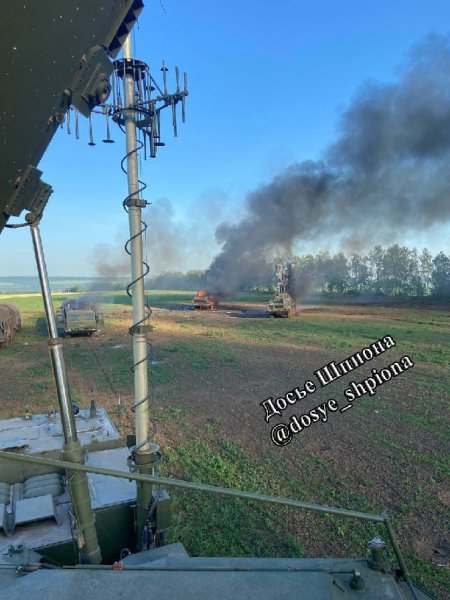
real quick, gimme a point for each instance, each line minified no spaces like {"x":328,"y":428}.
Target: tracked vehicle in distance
{"x":82,"y":515}
{"x":283,"y":303}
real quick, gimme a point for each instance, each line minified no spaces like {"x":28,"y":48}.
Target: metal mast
{"x":134,"y":205}
{"x":72,"y":450}
{"x":140,"y":112}
{"x":144,"y":453}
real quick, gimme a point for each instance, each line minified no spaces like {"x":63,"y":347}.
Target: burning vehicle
{"x":204,"y":300}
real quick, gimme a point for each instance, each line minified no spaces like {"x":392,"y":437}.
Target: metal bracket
{"x":31,"y":193}
{"x":142,"y":329}
{"x":136,"y":202}
{"x":91,"y":86}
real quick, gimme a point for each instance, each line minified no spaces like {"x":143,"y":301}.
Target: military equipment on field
{"x":283,"y":303}
{"x":10,"y":323}
{"x":204,"y":300}
{"x":67,"y":530}
{"x":77,"y":317}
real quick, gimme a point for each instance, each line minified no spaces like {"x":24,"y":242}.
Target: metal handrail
{"x":224,"y":491}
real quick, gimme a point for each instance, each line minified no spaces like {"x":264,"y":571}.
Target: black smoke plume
{"x":387,"y":174}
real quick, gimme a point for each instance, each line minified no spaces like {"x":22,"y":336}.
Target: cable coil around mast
{"x":146,"y":270}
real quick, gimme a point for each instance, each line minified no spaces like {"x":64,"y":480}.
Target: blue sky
{"x":267,"y":82}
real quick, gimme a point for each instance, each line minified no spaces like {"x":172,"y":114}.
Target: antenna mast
{"x":137,"y":102}
{"x":144,"y":453}
{"x":141,"y":112}
{"x":134,"y":205}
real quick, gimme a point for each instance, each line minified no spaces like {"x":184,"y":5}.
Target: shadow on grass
{"x":41,"y":327}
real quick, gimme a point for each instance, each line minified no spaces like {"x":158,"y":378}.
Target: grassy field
{"x":211,"y":370}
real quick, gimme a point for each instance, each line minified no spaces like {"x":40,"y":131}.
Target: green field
{"x":211,"y":371}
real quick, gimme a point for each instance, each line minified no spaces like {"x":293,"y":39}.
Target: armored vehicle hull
{"x":10,"y":323}
{"x":281,"y":305}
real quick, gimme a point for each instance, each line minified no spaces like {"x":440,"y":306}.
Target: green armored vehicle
{"x":283,"y":303}
{"x":10,"y":323}
{"x":77,"y":317}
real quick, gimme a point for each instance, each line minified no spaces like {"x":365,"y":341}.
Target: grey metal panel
{"x":105,"y":492}
{"x":41,"y":533}
{"x":34,"y":509}
{"x":204,"y":579}
{"x":43,"y":433}
{"x":14,"y":443}
{"x":162,"y":553}
{"x":41,"y":45}
{"x":109,"y":491}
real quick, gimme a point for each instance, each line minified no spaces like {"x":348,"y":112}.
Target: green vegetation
{"x":205,"y":364}
{"x":208,"y":524}
{"x":424,"y":573}
{"x":154,"y":298}
{"x":422,"y":341}
{"x":202,"y":356}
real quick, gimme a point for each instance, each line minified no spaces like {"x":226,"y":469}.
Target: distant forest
{"x":393,"y":271}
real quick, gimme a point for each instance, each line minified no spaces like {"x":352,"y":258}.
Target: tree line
{"x":393,"y":271}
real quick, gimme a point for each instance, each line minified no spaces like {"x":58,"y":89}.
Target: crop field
{"x":211,"y":371}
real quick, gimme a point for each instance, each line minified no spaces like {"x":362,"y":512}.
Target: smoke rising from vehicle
{"x":170,"y":244}
{"x":387,"y":174}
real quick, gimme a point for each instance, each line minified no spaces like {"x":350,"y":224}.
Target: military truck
{"x":283,"y":302}
{"x":10,"y":323}
{"x":77,"y":317}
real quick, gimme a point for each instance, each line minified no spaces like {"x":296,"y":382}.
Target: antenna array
{"x":149,"y":100}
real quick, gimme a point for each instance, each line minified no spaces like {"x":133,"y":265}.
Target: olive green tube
{"x":145,"y":463}
{"x":81,"y":502}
